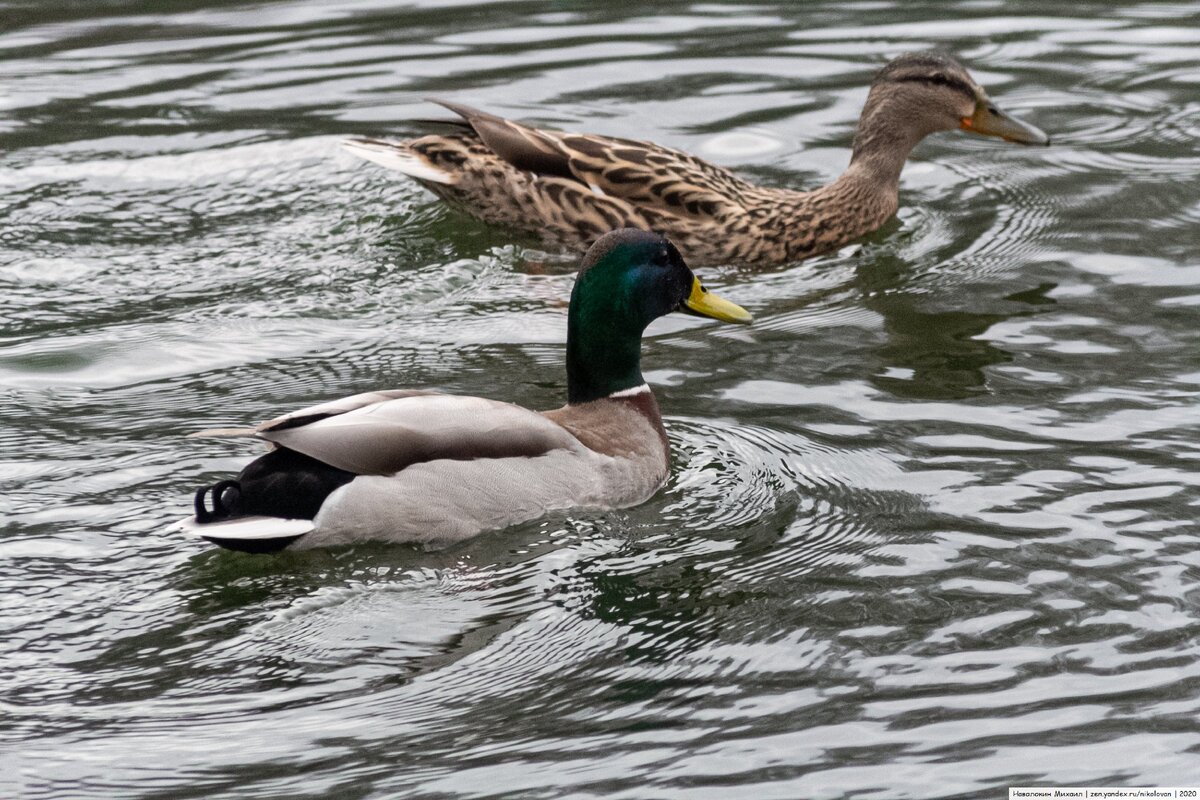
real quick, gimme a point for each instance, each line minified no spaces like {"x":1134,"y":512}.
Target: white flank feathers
{"x":395,"y":157}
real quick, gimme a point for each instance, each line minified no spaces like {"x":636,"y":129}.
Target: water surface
{"x":930,"y":531}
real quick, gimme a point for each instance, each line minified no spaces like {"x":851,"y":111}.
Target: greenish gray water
{"x":931,"y":526}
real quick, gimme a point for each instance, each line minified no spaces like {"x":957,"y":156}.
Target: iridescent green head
{"x":628,"y":279}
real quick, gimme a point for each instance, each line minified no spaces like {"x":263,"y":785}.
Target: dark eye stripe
{"x":939,"y":80}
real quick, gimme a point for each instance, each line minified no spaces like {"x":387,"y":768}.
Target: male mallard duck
{"x":418,"y":466}
{"x":571,"y":188}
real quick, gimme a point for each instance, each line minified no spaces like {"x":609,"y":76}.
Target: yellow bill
{"x":704,"y":303}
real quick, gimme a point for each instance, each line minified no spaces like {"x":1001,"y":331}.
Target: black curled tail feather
{"x":225,"y":495}
{"x":282,"y":483}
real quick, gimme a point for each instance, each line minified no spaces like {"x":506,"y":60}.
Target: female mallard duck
{"x":571,"y":188}
{"x":417,"y":466}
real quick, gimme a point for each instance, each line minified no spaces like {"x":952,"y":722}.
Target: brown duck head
{"x":917,"y":94}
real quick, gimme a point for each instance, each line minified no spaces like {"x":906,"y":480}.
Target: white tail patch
{"x":246,"y":528}
{"x":396,"y":156}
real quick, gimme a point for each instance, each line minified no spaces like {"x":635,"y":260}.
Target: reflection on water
{"x":934,"y":355}
{"x":930,"y":527}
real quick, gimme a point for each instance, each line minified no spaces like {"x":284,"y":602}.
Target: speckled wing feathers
{"x":649,"y":174}
{"x":631,"y":170}
{"x":629,"y":183}
{"x":561,"y":210}
{"x":523,"y":147}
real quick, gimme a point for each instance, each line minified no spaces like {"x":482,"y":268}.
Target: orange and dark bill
{"x":991,"y":121}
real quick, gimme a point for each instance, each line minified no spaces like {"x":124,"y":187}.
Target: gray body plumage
{"x":435,"y":469}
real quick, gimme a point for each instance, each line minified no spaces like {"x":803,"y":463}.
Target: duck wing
{"x":521,"y":146}
{"x":643,"y":174}
{"x":381,"y":433}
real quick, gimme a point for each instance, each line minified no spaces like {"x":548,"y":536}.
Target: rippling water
{"x":931,"y":526}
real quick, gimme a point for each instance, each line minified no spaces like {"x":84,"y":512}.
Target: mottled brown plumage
{"x":569,"y":189}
